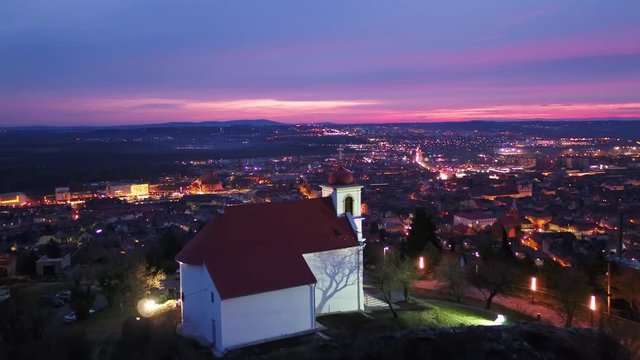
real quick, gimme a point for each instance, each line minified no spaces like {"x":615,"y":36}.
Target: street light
{"x":421,"y":263}
{"x":592,"y":307}
{"x":534,"y":287}
{"x":385,"y":250}
{"x":147,"y":307}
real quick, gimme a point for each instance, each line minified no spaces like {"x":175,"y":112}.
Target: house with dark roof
{"x":261,"y":272}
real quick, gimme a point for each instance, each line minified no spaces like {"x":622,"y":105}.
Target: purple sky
{"x":147,"y":61}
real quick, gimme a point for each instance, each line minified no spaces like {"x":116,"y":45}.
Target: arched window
{"x":348,"y":204}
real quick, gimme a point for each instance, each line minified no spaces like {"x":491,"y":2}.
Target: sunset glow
{"x":132,"y":63}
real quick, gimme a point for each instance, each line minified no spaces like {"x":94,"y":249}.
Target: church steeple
{"x":346,"y":196}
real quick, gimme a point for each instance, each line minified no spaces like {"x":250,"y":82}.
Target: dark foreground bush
{"x":491,"y":343}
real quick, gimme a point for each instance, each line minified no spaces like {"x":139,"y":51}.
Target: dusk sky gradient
{"x":98,"y":62}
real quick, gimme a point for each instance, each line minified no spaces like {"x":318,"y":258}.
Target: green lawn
{"x":421,"y":315}
{"x":512,"y":315}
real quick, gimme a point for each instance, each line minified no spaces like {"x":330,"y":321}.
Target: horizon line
{"x":281,"y":123}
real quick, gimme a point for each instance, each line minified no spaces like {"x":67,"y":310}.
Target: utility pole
{"x":609,"y":288}
{"x":620,"y":234}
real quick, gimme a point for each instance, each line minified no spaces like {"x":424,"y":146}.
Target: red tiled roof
{"x":257,"y":248}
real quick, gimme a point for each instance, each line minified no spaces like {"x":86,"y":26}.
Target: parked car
{"x":65,"y":295}
{"x":70,"y":318}
{"x":56,"y":301}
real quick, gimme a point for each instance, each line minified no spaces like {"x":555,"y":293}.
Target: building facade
{"x":262,"y":272}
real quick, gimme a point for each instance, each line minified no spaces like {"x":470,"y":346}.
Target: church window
{"x":348,"y":204}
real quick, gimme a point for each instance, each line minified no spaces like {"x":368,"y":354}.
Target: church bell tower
{"x":346,"y":196}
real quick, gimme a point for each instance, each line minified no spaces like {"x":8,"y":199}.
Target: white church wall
{"x":339,"y":276}
{"x":264,"y":316}
{"x":356,"y":225}
{"x":199,"y":313}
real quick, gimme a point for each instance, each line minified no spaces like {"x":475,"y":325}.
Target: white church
{"x":262,"y":272}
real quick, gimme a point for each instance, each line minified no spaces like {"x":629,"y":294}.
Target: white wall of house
{"x":198,"y":311}
{"x":476,"y":223}
{"x":339,"y":276}
{"x":260,"y":317}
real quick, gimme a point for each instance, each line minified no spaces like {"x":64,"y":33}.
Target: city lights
{"x":533,"y":288}
{"x":592,"y":307}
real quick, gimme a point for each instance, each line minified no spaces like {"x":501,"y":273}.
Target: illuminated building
{"x":261,"y":272}
{"x":62,"y":194}
{"x":206,"y":183}
{"x":13,"y":199}
{"x":139,"y":190}
{"x":127,"y":190}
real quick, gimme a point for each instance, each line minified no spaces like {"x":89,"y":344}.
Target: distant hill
{"x":228,"y":123}
{"x":247,"y":122}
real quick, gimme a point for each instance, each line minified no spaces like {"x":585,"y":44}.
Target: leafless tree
{"x":391,"y":275}
{"x":572,"y":290}
{"x":143,"y":279}
{"x":491,"y":277}
{"x":452,"y":277}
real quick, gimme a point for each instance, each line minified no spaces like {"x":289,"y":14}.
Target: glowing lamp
{"x":500,"y":319}
{"x":421,"y":263}
{"x":592,"y":304}
{"x":385,"y":250}
{"x":147,"y":307}
{"x":534,"y":285}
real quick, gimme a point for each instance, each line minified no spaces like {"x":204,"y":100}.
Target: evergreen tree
{"x":505,"y":250}
{"x":423,"y":232}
